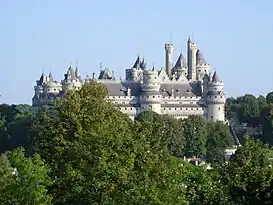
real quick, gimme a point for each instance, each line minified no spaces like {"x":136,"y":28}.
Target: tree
{"x":23,"y":180}
{"x":194,"y":129}
{"x":249,"y":174}
{"x":269,"y":98}
{"x":99,"y":156}
{"x":164,"y":127}
{"x":262,"y":102}
{"x":218,"y":139}
{"x":266,"y":118}
{"x":249,"y":108}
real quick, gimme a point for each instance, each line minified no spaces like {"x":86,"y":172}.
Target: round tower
{"x":52,"y":87}
{"x":202,"y":67}
{"x":72,"y":80}
{"x":150,"y":97}
{"x":192,"y":50}
{"x":168,"y":59}
{"x":216,"y":99}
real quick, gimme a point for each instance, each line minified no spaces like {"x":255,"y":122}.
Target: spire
{"x":42,"y":79}
{"x":76,"y":70}
{"x":143,"y":64}
{"x":137,"y":63}
{"x":50,"y":77}
{"x":215,"y":78}
{"x":181,"y":62}
{"x":200,"y":58}
{"x":153,"y":66}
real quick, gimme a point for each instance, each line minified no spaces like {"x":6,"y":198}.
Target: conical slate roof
{"x":143,"y":64}
{"x":42,"y":79}
{"x":51,"y":79}
{"x":137,"y":63}
{"x":200,"y":58}
{"x":181,"y":62}
{"x":215,"y":78}
{"x":77,"y":72}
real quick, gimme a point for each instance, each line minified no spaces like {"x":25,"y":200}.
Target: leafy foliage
{"x":15,"y":124}
{"x":24,"y":180}
{"x":249,"y":174}
{"x":87,"y":152}
{"x":195,"y":133}
{"x":218,"y":139}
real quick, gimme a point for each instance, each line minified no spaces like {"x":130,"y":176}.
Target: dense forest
{"x":84,"y":151}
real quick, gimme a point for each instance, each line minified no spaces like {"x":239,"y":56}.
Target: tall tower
{"x":216,"y":99}
{"x":192,"y":50}
{"x":202,"y":67}
{"x":150,"y":96}
{"x":168,"y":58}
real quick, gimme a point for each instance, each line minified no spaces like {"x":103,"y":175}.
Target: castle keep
{"x":187,"y":88}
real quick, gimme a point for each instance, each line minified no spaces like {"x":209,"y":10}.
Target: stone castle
{"x":187,"y":88}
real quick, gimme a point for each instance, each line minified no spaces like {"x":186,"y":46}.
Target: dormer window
{"x":163,"y":90}
{"x":188,"y":90}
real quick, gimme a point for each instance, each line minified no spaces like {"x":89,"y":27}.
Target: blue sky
{"x":236,"y":38}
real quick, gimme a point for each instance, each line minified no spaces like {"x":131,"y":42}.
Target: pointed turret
{"x":181,"y":62}
{"x":215,"y":78}
{"x":200,"y":58}
{"x":42,"y":79}
{"x":143,"y":64}
{"x":77,"y":71}
{"x":137,"y":63}
{"x":50,"y":77}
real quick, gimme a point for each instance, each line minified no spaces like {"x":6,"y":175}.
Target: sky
{"x":236,"y":38}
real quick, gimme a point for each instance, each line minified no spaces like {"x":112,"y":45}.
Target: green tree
{"x":249,"y":174}
{"x":266,"y":118}
{"x":262,"y":102}
{"x":195,"y":132}
{"x":269,"y":98}
{"x":99,"y":156}
{"x":23,"y":180}
{"x":164,"y":127}
{"x":14,"y":127}
{"x":249,"y":109}
{"x":218,"y":139}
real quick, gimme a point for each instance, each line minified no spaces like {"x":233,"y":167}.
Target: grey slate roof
{"x":137,"y":63}
{"x":77,"y":72}
{"x":51,"y":79}
{"x":181,"y":89}
{"x":41,"y":80}
{"x":181,"y":62}
{"x":70,"y":75}
{"x":106,"y":74}
{"x":215,"y":78}
{"x":200,"y":58}
{"x":119,"y":88}
{"x":143,"y":64}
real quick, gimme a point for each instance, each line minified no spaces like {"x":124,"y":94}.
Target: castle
{"x":187,"y":88}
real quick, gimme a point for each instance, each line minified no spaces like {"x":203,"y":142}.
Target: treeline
{"x":15,"y":124}
{"x":255,"y":111}
{"x":84,"y":151}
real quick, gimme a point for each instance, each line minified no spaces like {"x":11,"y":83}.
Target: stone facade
{"x":188,"y":88}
